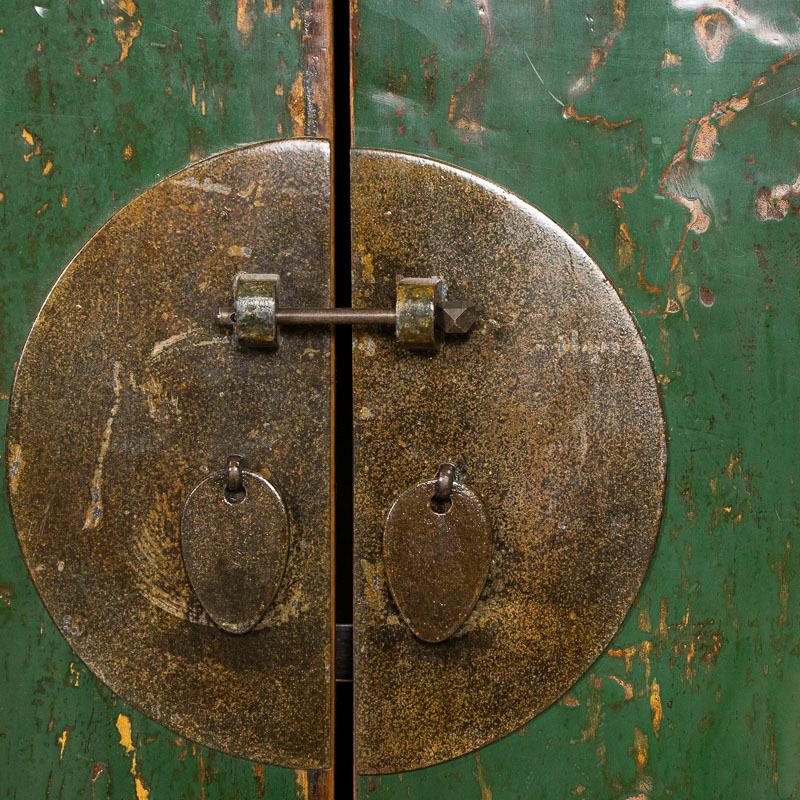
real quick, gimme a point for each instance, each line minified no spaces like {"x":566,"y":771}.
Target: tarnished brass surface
{"x":128,"y":394}
{"x":550,"y":409}
{"x":436,"y":560}
{"x":234,"y":545}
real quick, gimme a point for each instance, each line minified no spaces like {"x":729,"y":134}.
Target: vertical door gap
{"x":343,"y":392}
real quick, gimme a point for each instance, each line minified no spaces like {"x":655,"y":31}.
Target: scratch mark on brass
{"x":94,"y":512}
{"x":551,"y":409}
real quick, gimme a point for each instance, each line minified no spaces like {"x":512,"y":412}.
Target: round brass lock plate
{"x":128,"y":395}
{"x":550,"y":409}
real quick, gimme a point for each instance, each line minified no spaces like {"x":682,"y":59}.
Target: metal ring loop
{"x":445,"y":478}
{"x":233,"y":474}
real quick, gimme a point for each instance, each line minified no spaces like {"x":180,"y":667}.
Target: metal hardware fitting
{"x":437,"y":549}
{"x":235,"y":545}
{"x":233,"y":474}
{"x":421,"y":316}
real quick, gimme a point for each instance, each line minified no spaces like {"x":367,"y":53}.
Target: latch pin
{"x":422,"y":313}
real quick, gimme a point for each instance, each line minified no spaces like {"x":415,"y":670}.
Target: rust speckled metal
{"x":128,"y":395}
{"x":550,"y":410}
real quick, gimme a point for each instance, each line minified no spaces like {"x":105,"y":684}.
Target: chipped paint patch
{"x":626,"y":686}
{"x":705,"y":141}
{"x":775,"y":203}
{"x":127,"y":27}
{"x":656,"y":709}
{"x":296,"y":104}
{"x":301,"y":784}
{"x":707,"y":297}
{"x":62,"y":743}
{"x":245,"y":21}
{"x":126,"y":742}
{"x":640,"y":749}
{"x":480,"y":777}
{"x":759,"y":26}
{"x":94,"y":512}
{"x":713,"y":32}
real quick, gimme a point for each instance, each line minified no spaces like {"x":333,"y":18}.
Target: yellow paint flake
{"x":245,"y":20}
{"x":662,"y":619}
{"x":127,"y":27}
{"x":125,"y":736}
{"x":28,"y":136}
{"x":47,"y":168}
{"x":126,"y":741}
{"x":272,"y":6}
{"x":128,"y":152}
{"x":301,"y":784}
{"x":297,"y":106}
{"x":656,"y":708}
{"x":64,"y":200}
{"x":2,"y":197}
{"x":713,"y":33}
{"x":296,"y":23}
{"x":279,"y":90}
{"x":62,"y":741}
{"x":734,"y":461}
{"x":640,"y":749}
{"x":142,"y":792}
{"x":626,"y":654}
{"x":194,"y":95}
{"x":593,"y":708}
{"x":624,"y":685}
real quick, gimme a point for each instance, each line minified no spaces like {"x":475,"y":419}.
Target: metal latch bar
{"x":422,"y":313}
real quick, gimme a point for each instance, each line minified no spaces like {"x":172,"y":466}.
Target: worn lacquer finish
{"x":664,"y":137}
{"x":99,"y":101}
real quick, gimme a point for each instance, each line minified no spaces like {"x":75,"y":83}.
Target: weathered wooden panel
{"x":99,"y":101}
{"x":664,"y":137}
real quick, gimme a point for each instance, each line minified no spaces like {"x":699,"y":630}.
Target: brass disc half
{"x":551,"y":411}
{"x":128,"y":394}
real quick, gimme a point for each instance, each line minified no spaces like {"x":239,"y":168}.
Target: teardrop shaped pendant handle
{"x":235,"y":545}
{"x":437,"y":551}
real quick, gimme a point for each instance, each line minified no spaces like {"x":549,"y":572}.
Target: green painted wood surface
{"x":98,"y":101}
{"x":664,"y":136}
